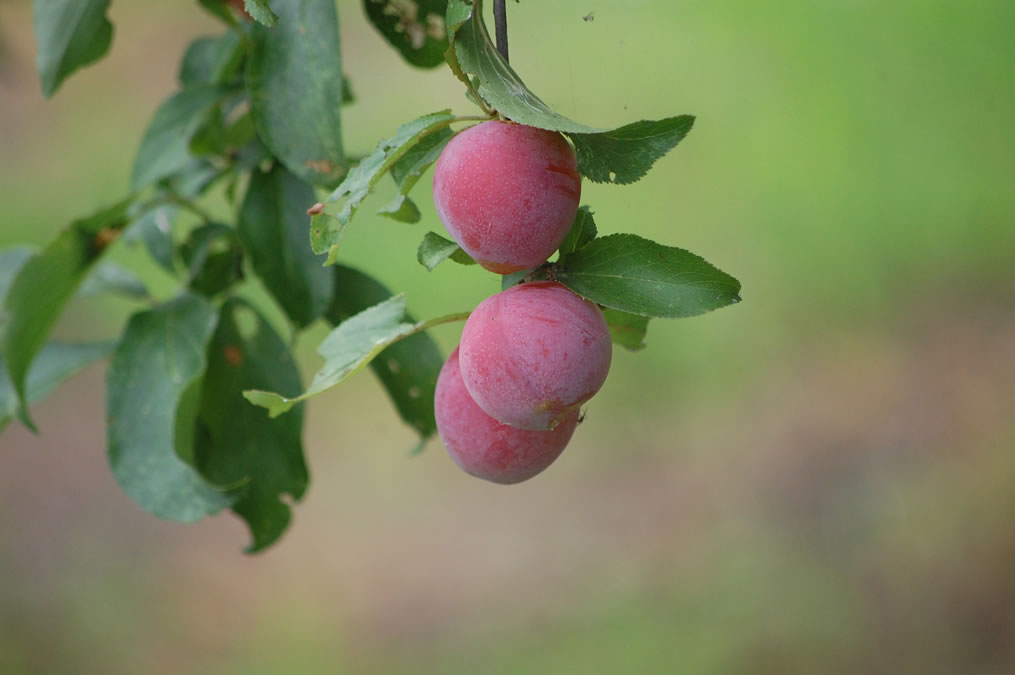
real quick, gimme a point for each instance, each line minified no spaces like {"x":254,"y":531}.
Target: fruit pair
{"x":507,"y":400}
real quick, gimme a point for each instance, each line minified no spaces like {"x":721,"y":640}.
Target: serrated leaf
{"x":409,"y":368}
{"x":626,"y":153}
{"x":160,"y":357}
{"x":626,"y":330}
{"x":621,"y":155}
{"x":435,"y":249}
{"x":165,"y":147}
{"x":260,"y":12}
{"x":583,"y":230}
{"x":639,"y":276}
{"x":327,"y":228}
{"x":294,"y":78}
{"x":110,"y":277}
{"x":273,"y":226}
{"x":69,"y":34}
{"x":45,"y":283}
{"x":402,"y":209}
{"x":211,"y":60}
{"x":415,"y":29}
{"x":236,"y":443}
{"x":54,"y":363}
{"x":350,"y":346}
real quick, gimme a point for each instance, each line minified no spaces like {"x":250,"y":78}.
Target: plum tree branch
{"x":500,"y":27}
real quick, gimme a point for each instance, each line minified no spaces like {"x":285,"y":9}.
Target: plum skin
{"x":507,"y":193}
{"x":482,"y":446}
{"x":532,"y":354}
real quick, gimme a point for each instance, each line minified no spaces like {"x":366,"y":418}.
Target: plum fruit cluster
{"x":508,"y":398}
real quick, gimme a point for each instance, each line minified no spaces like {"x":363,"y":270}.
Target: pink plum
{"x":533,"y":353}
{"x":484,"y":447}
{"x":507,"y":193}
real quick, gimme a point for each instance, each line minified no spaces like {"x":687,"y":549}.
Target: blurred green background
{"x":820,"y":479}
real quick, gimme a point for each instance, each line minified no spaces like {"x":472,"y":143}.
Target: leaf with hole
{"x":407,"y":369}
{"x":327,"y":227}
{"x":237,"y":444}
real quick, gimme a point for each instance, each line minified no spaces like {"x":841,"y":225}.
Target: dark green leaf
{"x":407,"y":171}
{"x":11,"y":261}
{"x":109,"y":277}
{"x":353,"y":344}
{"x":435,"y":249}
{"x":214,"y":258}
{"x":294,"y":77}
{"x":415,"y":29}
{"x":583,"y":230}
{"x":159,"y":360}
{"x":165,"y":146}
{"x":326,"y":228}
{"x":625,"y":154}
{"x":626,"y":330}
{"x":261,"y":12}
{"x":154,"y":229}
{"x":220,"y":9}
{"x":212,"y":60}
{"x":273,"y":227}
{"x":54,"y":363}
{"x":69,"y":34}
{"x":636,"y":275}
{"x":46,"y":282}
{"x":513,"y":279}
{"x":348,"y":95}
{"x":238,"y":444}
{"x":402,"y":209}
{"x":409,"y":368}
{"x":621,"y":155}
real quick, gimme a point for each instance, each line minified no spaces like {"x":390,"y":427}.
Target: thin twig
{"x":500,"y":27}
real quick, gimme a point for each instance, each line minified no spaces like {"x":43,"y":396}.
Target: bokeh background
{"x":820,"y":479}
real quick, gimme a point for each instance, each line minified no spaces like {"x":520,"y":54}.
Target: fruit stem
{"x":500,"y":27}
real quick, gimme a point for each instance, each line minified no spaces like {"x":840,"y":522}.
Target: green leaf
{"x":69,"y":34}
{"x":11,"y":261}
{"x":214,"y":258}
{"x":160,"y":358}
{"x":54,"y":363}
{"x":353,"y":344}
{"x":583,"y":230}
{"x":513,"y":279}
{"x":626,"y":330}
{"x":639,"y":276}
{"x":415,"y":29}
{"x":212,"y":60}
{"x":110,"y":277}
{"x":220,"y":9}
{"x":435,"y":249}
{"x":165,"y":148}
{"x":327,"y":228}
{"x":46,"y":282}
{"x":154,"y":228}
{"x":408,"y":170}
{"x":294,"y":77}
{"x":238,"y":444}
{"x":409,"y":368}
{"x":625,"y":154}
{"x":621,"y":155}
{"x":273,"y":227}
{"x":261,"y":12}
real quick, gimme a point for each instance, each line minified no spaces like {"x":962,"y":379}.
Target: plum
{"x":507,"y":193}
{"x":482,"y":446}
{"x":534,"y":353}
